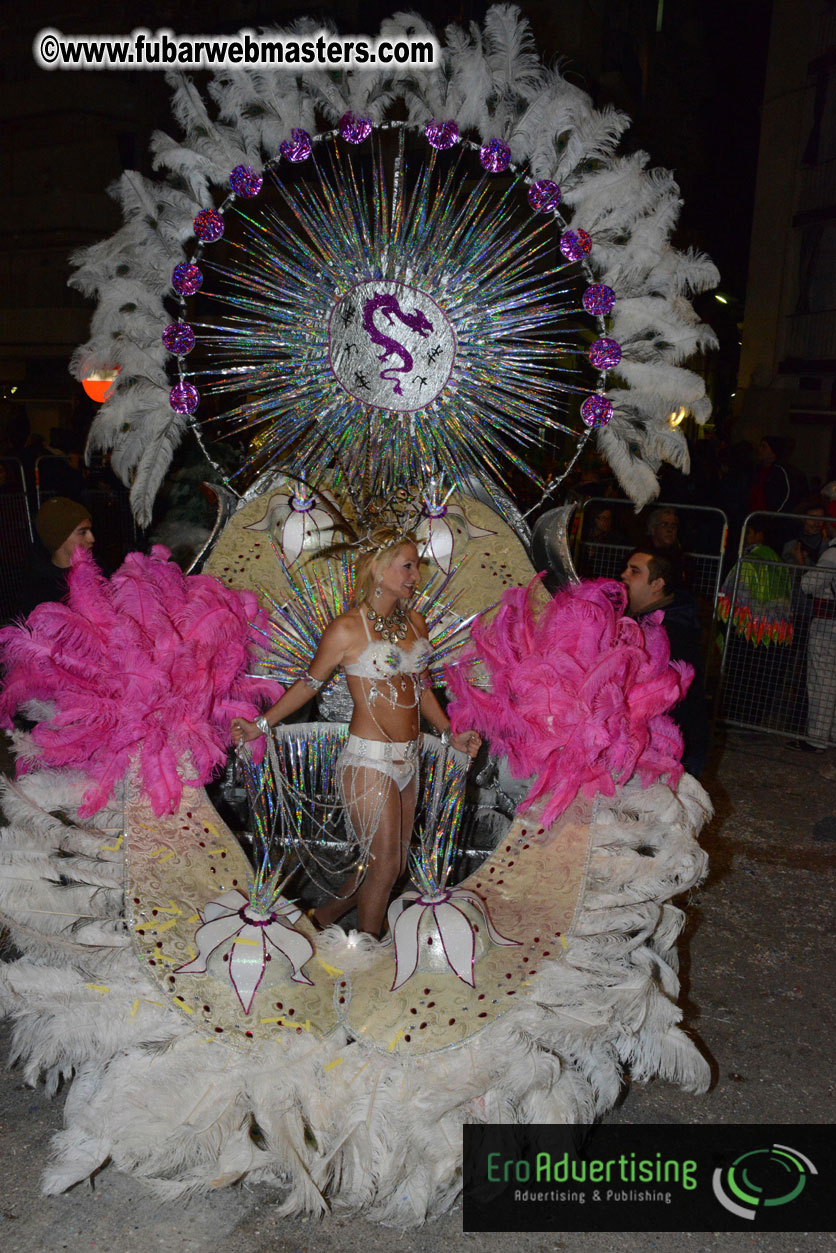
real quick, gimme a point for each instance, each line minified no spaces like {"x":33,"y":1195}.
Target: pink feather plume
{"x":578,"y":693}
{"x":147,"y":667}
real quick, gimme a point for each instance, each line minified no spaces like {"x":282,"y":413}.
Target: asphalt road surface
{"x":759,"y":993}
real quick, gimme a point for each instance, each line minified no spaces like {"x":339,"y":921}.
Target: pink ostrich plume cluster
{"x":577,"y":693}
{"x":148,"y":666}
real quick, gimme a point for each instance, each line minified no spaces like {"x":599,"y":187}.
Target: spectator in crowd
{"x":60,"y":470}
{"x":590,"y":480}
{"x":761,"y":591}
{"x":663,"y":529}
{"x":813,"y":537}
{"x":653,"y":578}
{"x":804,"y":550}
{"x":737,"y":474}
{"x":603,"y":529}
{"x":63,"y":526}
{"x":828,"y":495}
{"x":755,"y":602}
{"x":820,"y":583}
{"x":777,"y":486}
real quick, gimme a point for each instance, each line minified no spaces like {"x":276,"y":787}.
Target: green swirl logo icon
{"x":762,"y":1178}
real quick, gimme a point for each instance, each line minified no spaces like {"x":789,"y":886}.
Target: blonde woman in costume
{"x":384,"y":649}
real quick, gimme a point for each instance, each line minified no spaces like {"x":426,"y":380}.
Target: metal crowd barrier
{"x":778,"y":668}
{"x":16,"y":529}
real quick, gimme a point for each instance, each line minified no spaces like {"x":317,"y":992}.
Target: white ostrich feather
{"x":374,"y":1135}
{"x":492,"y":83}
{"x":511,"y":54}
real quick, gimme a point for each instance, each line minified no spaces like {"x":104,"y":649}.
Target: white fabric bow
{"x":231,"y":917}
{"x":455,"y":931}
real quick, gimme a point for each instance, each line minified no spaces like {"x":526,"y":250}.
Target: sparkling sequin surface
{"x":178,"y":338}
{"x":605,"y":353}
{"x":184,"y":398}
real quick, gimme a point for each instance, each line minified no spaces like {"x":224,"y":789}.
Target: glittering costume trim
{"x":396,"y":759}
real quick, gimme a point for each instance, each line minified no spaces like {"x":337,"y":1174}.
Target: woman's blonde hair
{"x":381,"y":547}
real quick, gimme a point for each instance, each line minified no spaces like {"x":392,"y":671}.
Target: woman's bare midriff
{"x":387,"y":723}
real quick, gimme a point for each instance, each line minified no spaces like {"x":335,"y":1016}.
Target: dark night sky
{"x":699,"y":113}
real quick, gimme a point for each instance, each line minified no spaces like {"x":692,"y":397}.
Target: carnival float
{"x":386,"y":292}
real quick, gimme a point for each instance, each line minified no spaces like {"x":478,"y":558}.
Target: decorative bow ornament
{"x":231,"y":919}
{"x":455,"y":930}
{"x":299,"y":519}
{"x":435,"y":533}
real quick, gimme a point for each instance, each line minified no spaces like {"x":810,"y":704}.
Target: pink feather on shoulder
{"x":146,"y":669}
{"x":577,"y":693}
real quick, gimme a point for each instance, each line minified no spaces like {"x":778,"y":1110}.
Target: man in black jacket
{"x":653,"y":579}
{"x":62,"y":525}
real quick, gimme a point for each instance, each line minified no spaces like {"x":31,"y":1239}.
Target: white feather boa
{"x":377,"y":1133}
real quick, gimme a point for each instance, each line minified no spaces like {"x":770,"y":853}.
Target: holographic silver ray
{"x":393,"y":327}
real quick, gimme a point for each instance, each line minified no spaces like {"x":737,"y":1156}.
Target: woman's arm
{"x":332,"y":648}
{"x":466,"y":741}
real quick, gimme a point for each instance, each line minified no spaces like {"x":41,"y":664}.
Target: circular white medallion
{"x":390,"y":345}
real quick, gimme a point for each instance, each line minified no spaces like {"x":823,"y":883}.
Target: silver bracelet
{"x":263,"y":725}
{"x":446,"y":736}
{"x":311,"y":682}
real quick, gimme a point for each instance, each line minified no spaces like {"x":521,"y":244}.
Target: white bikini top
{"x":381,"y":660}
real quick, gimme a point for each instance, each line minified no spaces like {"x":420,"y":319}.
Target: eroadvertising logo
{"x":643,"y":1177}
{"x":762,"y":1177}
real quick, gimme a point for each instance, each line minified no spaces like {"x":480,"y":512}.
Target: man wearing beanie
{"x":63,"y":526}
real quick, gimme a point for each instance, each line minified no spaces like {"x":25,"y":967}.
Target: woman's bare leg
{"x":373,"y":799}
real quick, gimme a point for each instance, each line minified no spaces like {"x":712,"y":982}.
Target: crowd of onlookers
{"x":773,"y":591}
{"x":771,"y":580}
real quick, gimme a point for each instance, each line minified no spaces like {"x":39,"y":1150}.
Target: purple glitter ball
{"x":598,"y":298}
{"x":184,"y":398}
{"x":245,"y":181}
{"x":187,"y":279}
{"x":605,"y":353}
{"x":298,"y":147}
{"x":178,"y":338}
{"x":208,"y":225}
{"x":575,"y":245}
{"x":354,"y":129}
{"x":544,"y":196}
{"x":596,"y":410}
{"x":495,"y":156}
{"x":442,"y":134}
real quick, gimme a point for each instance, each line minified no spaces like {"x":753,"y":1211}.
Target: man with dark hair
{"x":653,"y":578}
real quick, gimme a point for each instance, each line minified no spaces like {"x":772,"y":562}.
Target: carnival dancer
{"x":384,"y":648}
{"x":820,"y":583}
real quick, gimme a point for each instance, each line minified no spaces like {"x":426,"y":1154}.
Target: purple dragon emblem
{"x":416,"y":321}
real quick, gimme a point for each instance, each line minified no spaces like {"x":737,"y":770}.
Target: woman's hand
{"x":467,"y":742}
{"x":241,"y":731}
